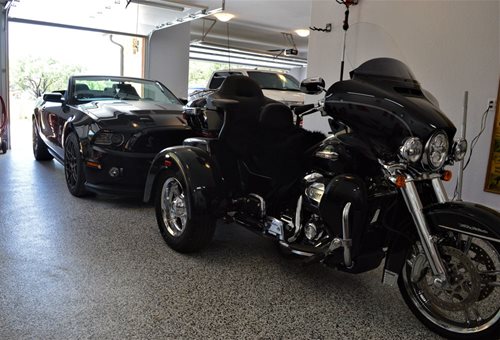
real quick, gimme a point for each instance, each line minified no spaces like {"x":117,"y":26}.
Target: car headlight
{"x":109,"y":138}
{"x":411,"y":150}
{"x":436,"y":151}
{"x":459,"y":149}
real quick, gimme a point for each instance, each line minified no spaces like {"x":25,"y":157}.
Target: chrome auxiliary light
{"x":411,"y":150}
{"x":459,"y":149}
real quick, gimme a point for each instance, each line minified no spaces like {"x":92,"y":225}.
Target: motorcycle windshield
{"x":382,"y":100}
{"x":381,"y":68}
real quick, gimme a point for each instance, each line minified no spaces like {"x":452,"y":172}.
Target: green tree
{"x":37,"y":76}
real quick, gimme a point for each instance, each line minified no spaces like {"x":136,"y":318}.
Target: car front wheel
{"x":40,"y":150}
{"x":73,"y":166}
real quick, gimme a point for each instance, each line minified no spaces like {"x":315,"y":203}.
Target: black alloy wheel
{"x":174,"y":214}
{"x":73,"y":166}
{"x":40,"y":150}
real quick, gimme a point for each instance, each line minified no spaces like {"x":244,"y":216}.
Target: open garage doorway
{"x":42,"y":58}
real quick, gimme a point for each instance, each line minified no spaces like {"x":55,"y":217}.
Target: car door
{"x":53,"y":117}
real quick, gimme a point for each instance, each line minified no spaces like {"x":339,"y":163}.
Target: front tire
{"x":469,"y":306}
{"x":40,"y":150}
{"x":175,"y":215}
{"x":73,"y":166}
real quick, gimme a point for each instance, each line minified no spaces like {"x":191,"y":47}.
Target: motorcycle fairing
{"x":386,"y":108}
{"x":467,"y":218}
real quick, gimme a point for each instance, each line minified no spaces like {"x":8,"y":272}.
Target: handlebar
{"x":303,"y":110}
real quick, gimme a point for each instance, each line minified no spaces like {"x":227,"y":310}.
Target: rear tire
{"x":175,"y":216}
{"x":40,"y":150}
{"x":73,"y":166}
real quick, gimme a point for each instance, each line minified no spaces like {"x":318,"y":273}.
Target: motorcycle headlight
{"x":411,"y":150}
{"x":459,"y":149}
{"x":109,"y":138}
{"x":436,"y":151}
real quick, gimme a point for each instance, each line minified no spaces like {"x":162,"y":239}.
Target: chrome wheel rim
{"x":173,"y":207}
{"x":71,"y":163}
{"x":471,"y":302}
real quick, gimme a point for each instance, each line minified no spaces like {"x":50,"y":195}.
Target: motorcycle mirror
{"x":312,"y":85}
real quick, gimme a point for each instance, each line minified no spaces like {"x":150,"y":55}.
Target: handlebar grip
{"x":298,"y":110}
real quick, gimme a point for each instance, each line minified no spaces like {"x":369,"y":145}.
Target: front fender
{"x":465,"y":217}
{"x":202,"y":176}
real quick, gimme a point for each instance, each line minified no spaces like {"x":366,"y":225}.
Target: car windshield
{"x":87,"y":89}
{"x":275,"y":81}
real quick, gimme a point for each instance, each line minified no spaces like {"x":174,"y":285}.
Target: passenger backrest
{"x":241,"y":120}
{"x":276,"y":116}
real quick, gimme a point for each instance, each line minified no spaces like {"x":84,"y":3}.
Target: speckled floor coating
{"x":98,"y":268}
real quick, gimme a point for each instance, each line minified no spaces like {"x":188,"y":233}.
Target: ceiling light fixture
{"x":224,"y":16}
{"x":302,"y":32}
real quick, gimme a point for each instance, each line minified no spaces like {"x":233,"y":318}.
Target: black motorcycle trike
{"x":371,"y":190}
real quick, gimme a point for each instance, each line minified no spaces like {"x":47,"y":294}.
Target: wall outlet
{"x":492,"y":104}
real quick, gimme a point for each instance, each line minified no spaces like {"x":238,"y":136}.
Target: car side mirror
{"x":53,"y":97}
{"x":312,"y":85}
{"x":184,"y":101}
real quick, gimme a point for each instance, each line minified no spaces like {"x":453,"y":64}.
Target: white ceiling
{"x":258,"y":24}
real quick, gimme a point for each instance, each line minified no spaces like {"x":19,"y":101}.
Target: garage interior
{"x":97,"y":267}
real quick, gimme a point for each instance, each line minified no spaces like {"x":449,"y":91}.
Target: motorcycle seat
{"x":285,"y":147}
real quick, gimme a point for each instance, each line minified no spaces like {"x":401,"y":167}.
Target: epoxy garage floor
{"x":98,"y":268}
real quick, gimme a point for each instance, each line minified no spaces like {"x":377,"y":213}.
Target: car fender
{"x":202,"y":176}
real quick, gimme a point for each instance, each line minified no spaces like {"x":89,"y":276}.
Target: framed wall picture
{"x":492,"y":183}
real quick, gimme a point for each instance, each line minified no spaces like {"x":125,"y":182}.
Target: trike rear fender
{"x":202,"y":177}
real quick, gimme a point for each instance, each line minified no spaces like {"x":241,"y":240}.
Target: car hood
{"x":285,"y":96}
{"x":134,"y":114}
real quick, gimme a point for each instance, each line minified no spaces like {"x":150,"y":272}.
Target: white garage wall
{"x":169,"y":58}
{"x":451,"y":46}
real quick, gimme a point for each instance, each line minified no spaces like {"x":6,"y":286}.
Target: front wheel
{"x":468,"y":307}
{"x":175,"y":215}
{"x":73,"y":166}
{"x":40,"y":150}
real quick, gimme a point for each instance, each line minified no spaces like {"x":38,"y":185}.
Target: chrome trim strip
{"x":470,"y":234}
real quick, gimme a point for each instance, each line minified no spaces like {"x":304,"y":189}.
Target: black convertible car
{"x":106,"y":131}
